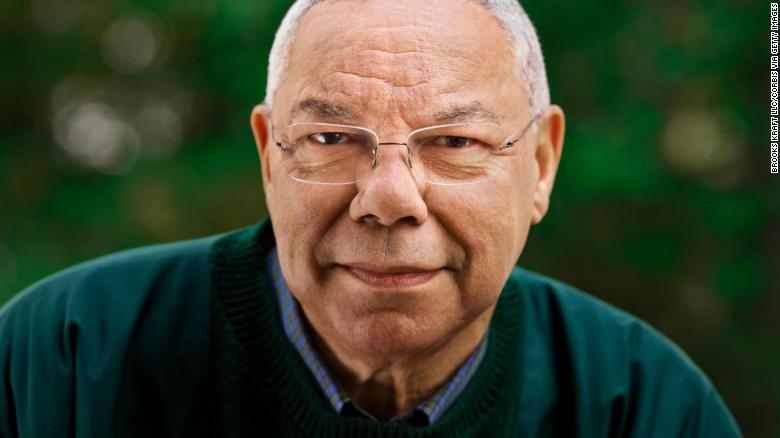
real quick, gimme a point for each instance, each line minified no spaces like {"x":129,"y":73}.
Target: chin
{"x":389,"y":333}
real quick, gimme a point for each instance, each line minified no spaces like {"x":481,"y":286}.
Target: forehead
{"x":385,"y":61}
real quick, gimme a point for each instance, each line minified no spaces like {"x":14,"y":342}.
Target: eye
{"x":457,"y":142}
{"x":329,"y":137}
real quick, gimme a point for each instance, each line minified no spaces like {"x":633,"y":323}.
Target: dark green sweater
{"x":186,"y":340}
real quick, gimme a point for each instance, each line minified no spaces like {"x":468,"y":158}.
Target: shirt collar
{"x":424,"y":414}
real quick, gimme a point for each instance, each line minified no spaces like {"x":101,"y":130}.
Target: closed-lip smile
{"x":389,"y":276}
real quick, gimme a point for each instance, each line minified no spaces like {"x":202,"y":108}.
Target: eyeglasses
{"x":453,"y":154}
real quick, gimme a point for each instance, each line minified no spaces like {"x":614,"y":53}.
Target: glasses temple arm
{"x":509,"y":144}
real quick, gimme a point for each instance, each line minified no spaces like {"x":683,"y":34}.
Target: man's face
{"x":392,"y":264}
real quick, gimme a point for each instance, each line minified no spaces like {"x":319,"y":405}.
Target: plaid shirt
{"x":424,"y":414}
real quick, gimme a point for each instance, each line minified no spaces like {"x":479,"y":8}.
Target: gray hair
{"x":522,"y":35}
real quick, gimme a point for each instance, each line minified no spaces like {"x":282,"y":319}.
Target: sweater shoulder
{"x":119,"y":279}
{"x":549,"y":299}
{"x":609,"y":369}
{"x":107,"y":329}
{"x":592,"y":329}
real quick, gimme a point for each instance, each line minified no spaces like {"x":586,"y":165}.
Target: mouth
{"x":391,"y":277}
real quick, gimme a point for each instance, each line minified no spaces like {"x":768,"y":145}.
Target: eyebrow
{"x":321,"y":109}
{"x":465,"y":113}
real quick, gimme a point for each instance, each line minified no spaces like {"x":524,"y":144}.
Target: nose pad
{"x":371,"y":164}
{"x":375,"y":154}
{"x":374,"y":161}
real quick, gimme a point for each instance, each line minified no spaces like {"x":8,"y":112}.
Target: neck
{"x":387,"y":386}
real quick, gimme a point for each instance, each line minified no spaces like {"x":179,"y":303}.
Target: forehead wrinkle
{"x":406,"y":68}
{"x":405,"y":54}
{"x":393,"y":82}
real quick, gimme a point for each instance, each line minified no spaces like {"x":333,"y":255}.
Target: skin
{"x":388,"y":341}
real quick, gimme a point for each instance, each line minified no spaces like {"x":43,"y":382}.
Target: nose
{"x":390,"y":193}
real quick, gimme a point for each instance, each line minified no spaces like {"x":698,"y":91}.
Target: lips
{"x":391,"y":277}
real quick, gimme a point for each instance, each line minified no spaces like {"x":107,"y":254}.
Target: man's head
{"x":392,"y":264}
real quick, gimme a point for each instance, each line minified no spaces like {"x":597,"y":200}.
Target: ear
{"x":549,"y":145}
{"x":260,"y":121}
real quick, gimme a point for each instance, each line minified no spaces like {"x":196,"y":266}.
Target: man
{"x":406,"y":149}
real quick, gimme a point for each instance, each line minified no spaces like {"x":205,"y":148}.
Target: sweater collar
{"x":244,"y":291}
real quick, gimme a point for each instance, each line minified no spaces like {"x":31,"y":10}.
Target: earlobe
{"x":541,"y":202}
{"x":260,"y":122}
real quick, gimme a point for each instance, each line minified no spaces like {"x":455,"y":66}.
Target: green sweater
{"x":186,"y":339}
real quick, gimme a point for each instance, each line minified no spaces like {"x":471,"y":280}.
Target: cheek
{"x":491,"y":222}
{"x":301,"y":215}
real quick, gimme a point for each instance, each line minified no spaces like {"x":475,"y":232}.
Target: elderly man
{"x":406,"y":149}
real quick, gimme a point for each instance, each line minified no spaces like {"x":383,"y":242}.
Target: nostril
{"x":372,"y":219}
{"x":411,"y":220}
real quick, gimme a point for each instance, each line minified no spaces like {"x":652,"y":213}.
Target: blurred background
{"x":125,"y":123}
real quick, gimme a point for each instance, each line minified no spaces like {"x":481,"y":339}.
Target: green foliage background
{"x":664,"y":203}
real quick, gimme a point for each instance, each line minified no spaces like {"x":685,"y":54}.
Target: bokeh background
{"x":124,"y":123}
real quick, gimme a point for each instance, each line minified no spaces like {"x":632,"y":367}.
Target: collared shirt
{"x":424,"y":414}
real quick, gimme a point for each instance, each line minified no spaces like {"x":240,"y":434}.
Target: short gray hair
{"x":522,"y":35}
